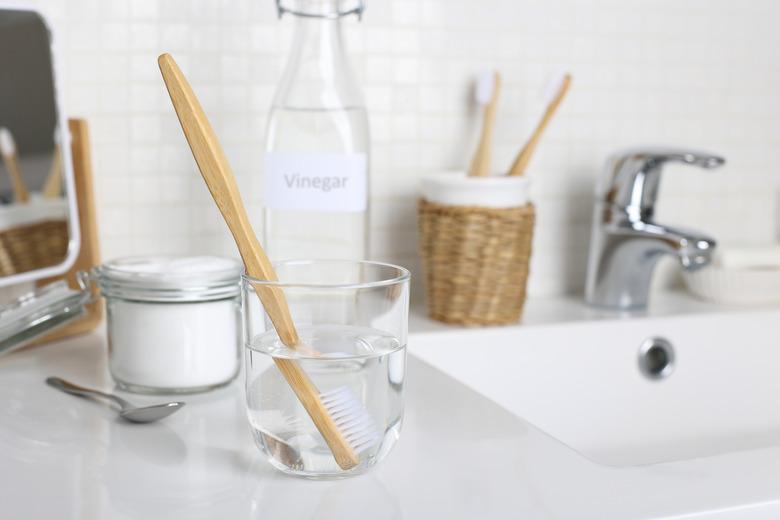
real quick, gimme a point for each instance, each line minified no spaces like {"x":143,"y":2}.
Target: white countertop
{"x":459,"y":455}
{"x":571,"y":309}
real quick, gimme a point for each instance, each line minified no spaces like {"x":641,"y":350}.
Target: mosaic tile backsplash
{"x":677,"y":72}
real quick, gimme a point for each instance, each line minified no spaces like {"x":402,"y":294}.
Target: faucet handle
{"x":661,"y":155}
{"x":632,"y":176}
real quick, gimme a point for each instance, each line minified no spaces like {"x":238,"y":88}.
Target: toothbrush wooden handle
{"x":480,"y":163}
{"x":52,"y":188}
{"x":524,"y":157}
{"x":216,"y":171}
{"x":17,"y":183}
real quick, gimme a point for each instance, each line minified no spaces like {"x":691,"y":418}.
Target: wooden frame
{"x":89,"y":253}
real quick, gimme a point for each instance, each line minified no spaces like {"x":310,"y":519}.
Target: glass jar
{"x":351,"y":318}
{"x":173,"y":323}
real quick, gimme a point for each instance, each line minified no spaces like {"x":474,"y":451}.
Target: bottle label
{"x":316,"y":181}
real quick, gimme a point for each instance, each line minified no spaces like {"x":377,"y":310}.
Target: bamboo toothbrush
{"x":486,"y":94}
{"x":8,"y":151}
{"x":524,"y":157}
{"x":338,"y":415}
{"x":52,"y":188}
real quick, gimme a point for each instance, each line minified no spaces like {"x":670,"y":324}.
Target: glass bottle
{"x":317,"y":144}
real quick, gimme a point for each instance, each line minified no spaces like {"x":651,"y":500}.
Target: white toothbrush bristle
{"x":353,"y":420}
{"x":483,"y":90}
{"x":7,"y":144}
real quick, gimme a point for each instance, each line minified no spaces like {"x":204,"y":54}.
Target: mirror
{"x":38,"y":227}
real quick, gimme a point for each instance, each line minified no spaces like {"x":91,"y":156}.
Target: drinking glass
{"x":351,"y":318}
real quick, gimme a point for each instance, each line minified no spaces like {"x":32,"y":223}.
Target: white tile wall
{"x":684,"y":72}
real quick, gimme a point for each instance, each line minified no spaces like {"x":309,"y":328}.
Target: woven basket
{"x":33,"y":246}
{"x":475,"y":261}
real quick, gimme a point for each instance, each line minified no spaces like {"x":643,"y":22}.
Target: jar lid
{"x":170,"y":278}
{"x":39,"y":312}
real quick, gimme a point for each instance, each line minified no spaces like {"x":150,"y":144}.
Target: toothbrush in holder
{"x":52,"y":188}
{"x":339,"y":416}
{"x":486,"y":93}
{"x":524,"y":157}
{"x":8,"y":151}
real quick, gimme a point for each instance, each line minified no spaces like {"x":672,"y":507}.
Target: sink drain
{"x":656,"y":358}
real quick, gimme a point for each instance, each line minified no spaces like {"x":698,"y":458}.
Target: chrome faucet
{"x":626,"y":243}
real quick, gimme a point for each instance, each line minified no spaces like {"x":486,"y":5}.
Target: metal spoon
{"x":127,"y":411}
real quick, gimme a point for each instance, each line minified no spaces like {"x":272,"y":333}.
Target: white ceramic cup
{"x":456,"y":188}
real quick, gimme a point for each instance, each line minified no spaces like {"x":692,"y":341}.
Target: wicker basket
{"x":33,"y":246}
{"x":475,"y":261}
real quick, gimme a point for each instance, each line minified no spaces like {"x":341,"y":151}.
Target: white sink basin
{"x":581,"y":383}
{"x":704,"y":440}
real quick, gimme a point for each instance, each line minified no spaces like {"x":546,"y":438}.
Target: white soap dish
{"x":757,"y":286}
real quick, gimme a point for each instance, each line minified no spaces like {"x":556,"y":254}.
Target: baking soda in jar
{"x":173,"y":322}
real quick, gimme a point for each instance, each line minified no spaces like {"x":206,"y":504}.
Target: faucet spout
{"x":694,"y":250}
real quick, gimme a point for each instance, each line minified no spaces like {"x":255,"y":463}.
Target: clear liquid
{"x":371,"y":364}
{"x":290,"y":234}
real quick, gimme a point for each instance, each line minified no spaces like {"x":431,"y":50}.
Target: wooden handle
{"x":17,"y":183}
{"x":480,"y":164}
{"x":219,"y":178}
{"x":52,"y":188}
{"x":89,"y":252}
{"x":524,"y":157}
